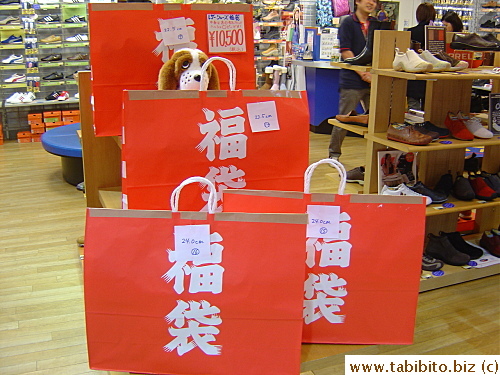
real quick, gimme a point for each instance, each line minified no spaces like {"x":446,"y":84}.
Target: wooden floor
{"x":42,"y":329}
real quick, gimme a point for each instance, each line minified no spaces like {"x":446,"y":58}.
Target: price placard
{"x":226,"y":33}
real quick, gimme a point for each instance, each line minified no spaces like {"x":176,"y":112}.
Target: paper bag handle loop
{"x":232,"y":73}
{"x":334,"y":163}
{"x":212,"y":197}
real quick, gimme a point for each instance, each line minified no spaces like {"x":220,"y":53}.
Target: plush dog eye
{"x":185,"y":64}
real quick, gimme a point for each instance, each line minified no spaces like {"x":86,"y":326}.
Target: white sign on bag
{"x":174,"y":31}
{"x":192,"y":242}
{"x":263,"y":116}
{"x":323,"y":221}
{"x":226,"y":33}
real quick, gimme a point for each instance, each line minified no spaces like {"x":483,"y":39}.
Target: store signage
{"x":494,"y":114}
{"x":435,"y":38}
{"x":226,"y":33}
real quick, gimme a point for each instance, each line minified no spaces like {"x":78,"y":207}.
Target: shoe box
{"x":54,"y":124}
{"x":70,"y":117}
{"x":24,"y":137}
{"x":52,"y":116}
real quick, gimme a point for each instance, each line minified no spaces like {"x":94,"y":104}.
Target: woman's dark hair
{"x":426,"y":12}
{"x":455,"y":21}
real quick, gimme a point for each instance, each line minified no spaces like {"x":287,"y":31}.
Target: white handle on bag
{"x":212,"y":197}
{"x":334,"y":163}
{"x":232,"y":73}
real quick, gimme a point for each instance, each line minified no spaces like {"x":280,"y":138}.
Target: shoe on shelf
{"x":52,"y":57}
{"x":436,"y":196}
{"x":53,"y":76}
{"x":356,"y":175}
{"x":13,"y":97}
{"x":50,"y":19}
{"x":465,"y":215}
{"x":491,"y":38}
{"x":462,"y":189}
{"x":63,"y":95}
{"x":456,"y":65}
{"x":271,"y":51}
{"x":474,"y":125}
{"x":78,"y":38}
{"x":457,"y":128}
{"x":443,"y":132}
{"x":492,"y":180}
{"x":461,"y":245}
{"x":437,"y":64}
{"x":472,"y":42}
{"x":410,"y":62}
{"x":13,"y":39}
{"x":353,"y":118}
{"x":27,"y":97}
{"x":439,"y":247}
{"x":10,"y":20}
{"x":445,"y":184}
{"x":421,"y":128}
{"x":53,"y":95}
{"x":491,"y":243}
{"x":78,"y":56}
{"x":431,"y":264}
{"x":14,"y":59}
{"x":490,"y":24}
{"x":406,"y":133}
{"x":272,"y":16}
{"x":490,"y":4}
{"x":16,"y":78}
{"x":402,"y":189}
{"x":51,"y":39}
{"x":75,"y":19}
{"x":77,"y":95}
{"x":481,"y":189}
{"x":471,"y":163}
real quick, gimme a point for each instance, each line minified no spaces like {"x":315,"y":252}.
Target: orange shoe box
{"x":37,"y":125}
{"x":53,"y":116}
{"x":71,"y":116}
{"x":24,"y":137}
{"x":54,"y":124}
{"x":34,"y":118}
{"x":36,"y":137}
{"x":38,"y":131}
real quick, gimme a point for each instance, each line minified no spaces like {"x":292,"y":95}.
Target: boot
{"x":439,"y":247}
{"x":365,"y":57}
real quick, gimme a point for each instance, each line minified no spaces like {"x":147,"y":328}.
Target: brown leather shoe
{"x":472,"y":42}
{"x":353,"y":119}
{"x":407,"y":134}
{"x":490,"y":4}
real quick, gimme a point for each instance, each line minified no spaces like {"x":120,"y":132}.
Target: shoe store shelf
{"x":484,"y":29}
{"x":269,"y":41}
{"x":11,"y":46}
{"x":358,"y":129}
{"x":459,"y":206}
{"x":381,"y":138}
{"x":467,"y":74}
{"x":42,"y":102}
{"x":10,"y":27}
{"x":12,"y":67}
{"x":358,"y":68}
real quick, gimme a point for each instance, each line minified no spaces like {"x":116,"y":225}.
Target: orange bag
{"x":191,"y":293}
{"x":127,"y":52}
{"x":362,"y":287}
{"x":173,"y":134}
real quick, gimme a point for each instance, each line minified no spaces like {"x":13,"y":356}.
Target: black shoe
{"x":443,"y":133}
{"x":436,"y":197}
{"x":488,"y":25}
{"x":471,"y":164}
{"x":491,"y":38}
{"x":54,"y":76}
{"x":50,"y":19}
{"x":53,"y":95}
{"x":72,"y":75}
{"x":431,"y":264}
{"x":439,"y":247}
{"x":52,"y":57}
{"x":75,"y":19}
{"x":365,"y":57}
{"x":445,"y":184}
{"x":459,"y":243}
{"x":462,"y":189}
{"x":420,"y":127}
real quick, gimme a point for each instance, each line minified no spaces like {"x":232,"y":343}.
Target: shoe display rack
{"x":445,"y":92}
{"x":487,"y":18}
{"x":43,"y":44}
{"x":464,"y":8}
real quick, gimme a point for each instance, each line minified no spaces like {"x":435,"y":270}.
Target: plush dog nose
{"x":197,"y":78}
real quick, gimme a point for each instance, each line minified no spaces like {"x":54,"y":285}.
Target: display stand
{"x":445,"y":92}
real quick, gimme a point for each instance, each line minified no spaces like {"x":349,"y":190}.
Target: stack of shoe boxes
{"x":37,"y":126}
{"x":24,"y":137}
{"x":52,"y":119}
{"x":70,"y":117}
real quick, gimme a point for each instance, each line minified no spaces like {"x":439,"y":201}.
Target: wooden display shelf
{"x":358,"y":129}
{"x":463,"y":74}
{"x":358,"y":68}
{"x":381,"y":138}
{"x":111,"y":197}
{"x":460,"y":206}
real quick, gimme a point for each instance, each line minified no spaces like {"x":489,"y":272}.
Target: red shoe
{"x":457,"y":128}
{"x":481,"y":188}
{"x":491,"y":243}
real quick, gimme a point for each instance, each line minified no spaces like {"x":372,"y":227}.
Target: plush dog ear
{"x":166,"y":77}
{"x":213,"y":81}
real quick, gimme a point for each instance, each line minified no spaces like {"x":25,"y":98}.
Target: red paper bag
{"x":171,"y":135}
{"x":194,"y":293}
{"x":129,"y":45}
{"x":361,"y":287}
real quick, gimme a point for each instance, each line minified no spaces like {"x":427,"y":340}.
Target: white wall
{"x":407,"y":13}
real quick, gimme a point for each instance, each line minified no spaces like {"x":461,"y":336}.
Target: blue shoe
{"x":12,"y":39}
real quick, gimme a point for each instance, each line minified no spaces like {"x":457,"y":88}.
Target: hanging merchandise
{"x":360,"y":268}
{"x":340,"y":7}
{"x":169,"y":292}
{"x":324,"y":13}
{"x":235,"y":138}
{"x":132,"y":58}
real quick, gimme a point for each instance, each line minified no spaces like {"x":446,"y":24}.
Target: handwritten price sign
{"x":226,"y":33}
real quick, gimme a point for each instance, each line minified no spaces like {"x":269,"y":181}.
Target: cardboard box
{"x":71,"y":116}
{"x":36,"y":138}
{"x":24,"y":137}
{"x":54,"y":116}
{"x":37,"y":125}
{"x":38,"y":130}
{"x":55,"y":124}
{"x":34,"y":118}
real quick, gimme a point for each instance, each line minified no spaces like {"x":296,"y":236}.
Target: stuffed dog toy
{"x":182,"y":71}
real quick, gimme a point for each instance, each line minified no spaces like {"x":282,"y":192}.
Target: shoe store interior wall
{"x":440,"y":149}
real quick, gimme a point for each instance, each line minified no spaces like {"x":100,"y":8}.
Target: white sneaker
{"x":64,"y":95}
{"x":27,"y":97}
{"x":402,"y":189}
{"x":13,"y":59}
{"x":77,"y":95}
{"x":78,"y":38}
{"x":13,"y":97}
{"x":16,"y":78}
{"x":410,"y":62}
{"x":437,"y":65}
{"x":474,"y":125}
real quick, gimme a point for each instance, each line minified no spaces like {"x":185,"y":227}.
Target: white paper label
{"x":192,"y":242}
{"x":226,"y":33}
{"x":174,"y":31}
{"x":263,"y":116}
{"x":323,"y":221}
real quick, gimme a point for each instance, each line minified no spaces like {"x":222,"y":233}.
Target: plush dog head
{"x":182,"y":71}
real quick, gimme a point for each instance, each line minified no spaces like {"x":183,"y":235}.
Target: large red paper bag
{"x":194,"y":293}
{"x":131,"y":41}
{"x":171,"y":135}
{"x":362,"y":286}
